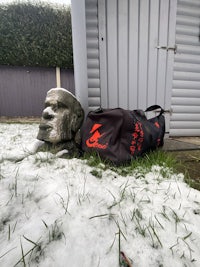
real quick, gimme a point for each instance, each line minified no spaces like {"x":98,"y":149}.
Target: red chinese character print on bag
{"x":138,"y":138}
{"x":158,"y":142}
{"x":93,"y":141}
{"x":157,"y":124}
{"x":158,"y":139}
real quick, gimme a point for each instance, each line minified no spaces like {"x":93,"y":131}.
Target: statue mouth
{"x":44,"y":126}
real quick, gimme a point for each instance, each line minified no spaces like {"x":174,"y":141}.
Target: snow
{"x":56,"y":213}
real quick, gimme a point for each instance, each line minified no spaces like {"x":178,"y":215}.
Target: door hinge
{"x":168,"y":48}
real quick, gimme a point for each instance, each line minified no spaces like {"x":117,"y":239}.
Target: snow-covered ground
{"x":55,"y":213}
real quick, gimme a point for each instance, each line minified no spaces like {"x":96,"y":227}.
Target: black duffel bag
{"x":120,"y":135}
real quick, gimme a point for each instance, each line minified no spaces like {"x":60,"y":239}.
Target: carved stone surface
{"x":61,"y":119}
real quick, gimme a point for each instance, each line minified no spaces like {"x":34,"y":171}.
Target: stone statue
{"x":61,"y":120}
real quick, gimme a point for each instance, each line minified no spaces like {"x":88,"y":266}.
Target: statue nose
{"x":46,"y":115}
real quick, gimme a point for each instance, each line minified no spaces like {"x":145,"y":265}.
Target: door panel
{"x":135,"y":70}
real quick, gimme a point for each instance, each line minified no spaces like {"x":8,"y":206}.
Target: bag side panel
{"x":100,"y":133}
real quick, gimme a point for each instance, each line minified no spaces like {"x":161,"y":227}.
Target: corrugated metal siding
{"x":134,"y":73}
{"x":23,"y":89}
{"x":92,"y":38}
{"x":67,"y":80}
{"x":185,"y":120}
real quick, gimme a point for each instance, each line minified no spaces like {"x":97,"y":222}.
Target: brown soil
{"x":189,"y":165}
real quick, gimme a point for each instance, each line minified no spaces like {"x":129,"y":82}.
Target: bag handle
{"x":154,"y":107}
{"x":98,"y":110}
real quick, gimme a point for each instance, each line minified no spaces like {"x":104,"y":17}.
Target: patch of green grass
{"x":97,"y":173}
{"x":55,"y":232}
{"x":94,"y":160}
{"x":140,"y":164}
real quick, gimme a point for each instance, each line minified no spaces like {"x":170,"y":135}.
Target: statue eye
{"x":54,"y":107}
{"x":46,"y":105}
{"x":61,"y":105}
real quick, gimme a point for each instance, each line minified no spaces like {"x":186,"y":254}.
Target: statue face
{"x":61,"y":118}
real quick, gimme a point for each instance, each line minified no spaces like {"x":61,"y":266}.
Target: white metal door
{"x":136,"y":41}
{"x":185,"y":119}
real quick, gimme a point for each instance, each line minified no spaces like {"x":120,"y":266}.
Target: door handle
{"x":168,"y":48}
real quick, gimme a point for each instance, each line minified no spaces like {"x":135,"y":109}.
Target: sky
{"x":57,"y":212}
{"x":67,"y":2}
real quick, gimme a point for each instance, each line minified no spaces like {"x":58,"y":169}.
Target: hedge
{"x":35,"y":35}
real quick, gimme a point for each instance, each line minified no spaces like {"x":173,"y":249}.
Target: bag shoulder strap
{"x":154,"y":107}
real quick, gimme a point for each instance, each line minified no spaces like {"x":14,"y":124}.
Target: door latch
{"x":168,"y":48}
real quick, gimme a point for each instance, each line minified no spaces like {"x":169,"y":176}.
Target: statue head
{"x":62,"y":117}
